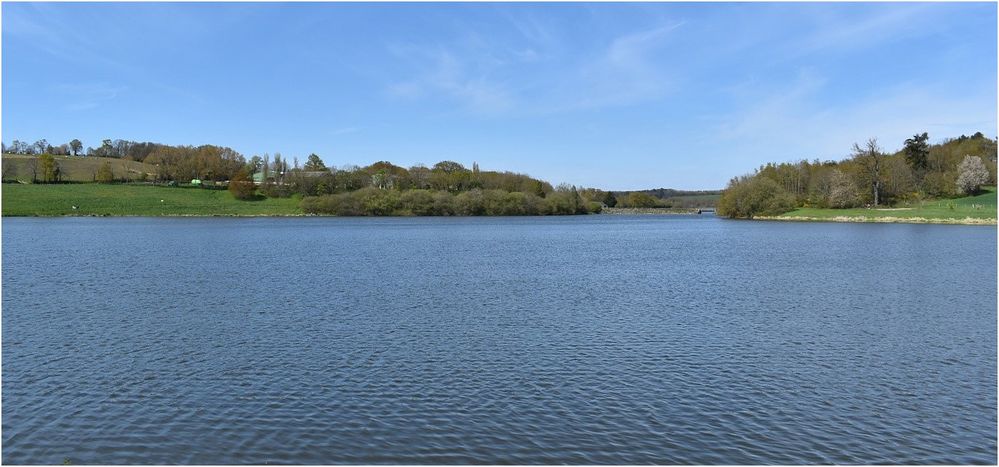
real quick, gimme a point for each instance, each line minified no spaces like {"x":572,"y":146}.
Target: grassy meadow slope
{"x":78,"y":169}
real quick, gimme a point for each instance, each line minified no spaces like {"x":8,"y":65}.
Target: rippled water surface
{"x":596,"y":339}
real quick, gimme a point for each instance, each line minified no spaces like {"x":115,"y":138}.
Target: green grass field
{"x":94,"y":199}
{"x":982,"y":207}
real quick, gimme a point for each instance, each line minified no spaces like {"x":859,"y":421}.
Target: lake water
{"x":593,"y":339}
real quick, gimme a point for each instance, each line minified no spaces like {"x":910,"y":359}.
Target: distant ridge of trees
{"x":665,"y":198}
{"x":173,"y":163}
{"x":666,"y":193}
{"x":868,"y":177}
{"x":381,"y":188}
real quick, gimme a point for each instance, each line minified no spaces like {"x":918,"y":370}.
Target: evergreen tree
{"x":917,"y":151}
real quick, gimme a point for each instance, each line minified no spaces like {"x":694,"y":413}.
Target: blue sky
{"x":614,"y":96}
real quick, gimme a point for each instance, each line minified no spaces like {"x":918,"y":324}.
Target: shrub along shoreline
{"x":131,"y":200}
{"x":418,"y":202}
{"x":94,"y":199}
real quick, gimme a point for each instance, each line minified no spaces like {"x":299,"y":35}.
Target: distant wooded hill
{"x":668,"y":197}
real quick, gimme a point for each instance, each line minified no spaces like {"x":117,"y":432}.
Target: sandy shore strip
{"x":885,"y":220}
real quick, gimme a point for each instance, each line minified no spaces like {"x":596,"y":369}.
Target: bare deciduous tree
{"x":870,"y":158}
{"x":32,"y":166}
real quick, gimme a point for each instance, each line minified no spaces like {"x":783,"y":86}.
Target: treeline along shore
{"x":131,"y":178}
{"x":949,"y":182}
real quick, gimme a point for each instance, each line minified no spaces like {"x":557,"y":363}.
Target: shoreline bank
{"x":881,"y":220}
{"x":648,"y":211}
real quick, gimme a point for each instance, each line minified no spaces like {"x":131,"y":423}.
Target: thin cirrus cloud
{"x":86,"y":96}
{"x":628,"y":71}
{"x":443,"y":74}
{"x":490,"y":80}
{"x":840,"y":33}
{"x":794,"y":123}
{"x":35,"y":24}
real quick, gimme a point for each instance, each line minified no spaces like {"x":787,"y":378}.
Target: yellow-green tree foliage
{"x":104,"y":173}
{"x":747,"y":197}
{"x":639,"y":200}
{"x":49,"y":167}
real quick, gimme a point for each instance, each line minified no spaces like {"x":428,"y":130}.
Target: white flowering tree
{"x":971,"y":174}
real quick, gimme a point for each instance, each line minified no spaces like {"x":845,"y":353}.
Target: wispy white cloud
{"x":902,"y":110}
{"x":627,"y":71}
{"x":633,"y":48}
{"x":798,"y":123}
{"x":86,"y":96}
{"x":486,"y":79}
{"x":770,"y":112}
{"x":834,"y":31}
{"x":40,"y":26}
{"x":532,"y":30}
{"x":51,"y":30}
{"x":442,"y":73}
